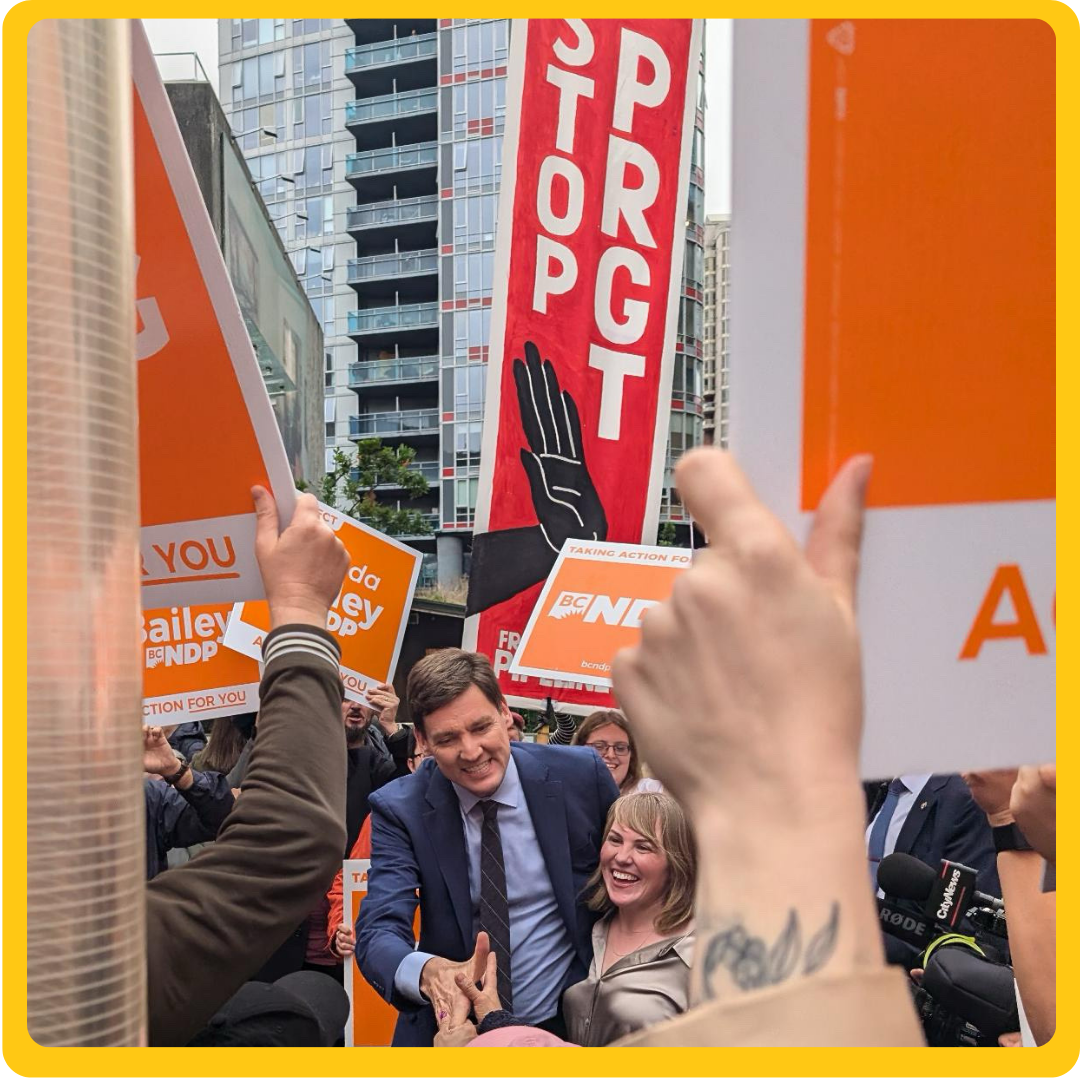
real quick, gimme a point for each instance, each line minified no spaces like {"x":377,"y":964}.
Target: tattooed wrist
{"x":753,"y":963}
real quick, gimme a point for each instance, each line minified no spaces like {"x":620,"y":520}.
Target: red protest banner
{"x":588,"y":262}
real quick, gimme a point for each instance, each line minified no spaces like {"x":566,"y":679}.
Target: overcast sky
{"x":200,"y":36}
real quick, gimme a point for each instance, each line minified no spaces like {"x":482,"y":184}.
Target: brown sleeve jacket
{"x":212,"y":923}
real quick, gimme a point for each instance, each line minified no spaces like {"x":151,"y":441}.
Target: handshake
{"x":457,"y":990}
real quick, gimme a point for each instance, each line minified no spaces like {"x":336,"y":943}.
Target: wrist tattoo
{"x":753,"y":964}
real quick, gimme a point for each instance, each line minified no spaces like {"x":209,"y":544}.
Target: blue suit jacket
{"x":946,"y":823}
{"x":418,"y":845}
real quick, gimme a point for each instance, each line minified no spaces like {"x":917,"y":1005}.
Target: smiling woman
{"x":643,"y":947}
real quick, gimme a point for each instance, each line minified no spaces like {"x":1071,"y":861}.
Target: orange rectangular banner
{"x":894,"y":257}
{"x":369,"y":615}
{"x":207,"y":430}
{"x":371,"y":1017}
{"x":591,"y":607}
{"x":187,"y":674}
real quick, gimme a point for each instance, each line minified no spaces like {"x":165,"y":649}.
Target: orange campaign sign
{"x":207,"y":431}
{"x":895,"y":258}
{"x":369,"y":615}
{"x":371,"y":1017}
{"x":591,"y":607}
{"x":187,"y":674}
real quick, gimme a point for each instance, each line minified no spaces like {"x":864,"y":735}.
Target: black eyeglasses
{"x":621,"y":748}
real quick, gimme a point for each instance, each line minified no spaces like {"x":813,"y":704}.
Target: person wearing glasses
{"x":608,"y":733}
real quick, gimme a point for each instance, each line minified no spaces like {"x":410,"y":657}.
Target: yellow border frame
{"x":25,"y":1057}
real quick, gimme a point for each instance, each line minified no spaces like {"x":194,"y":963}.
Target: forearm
{"x":212,"y":923}
{"x":782,"y":895}
{"x":1032,"y":937}
{"x":209,"y":800}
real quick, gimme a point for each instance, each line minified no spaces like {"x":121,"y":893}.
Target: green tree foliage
{"x":665,"y":536}
{"x":350,"y":487}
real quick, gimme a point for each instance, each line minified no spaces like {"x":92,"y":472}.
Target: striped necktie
{"x":494,"y":907}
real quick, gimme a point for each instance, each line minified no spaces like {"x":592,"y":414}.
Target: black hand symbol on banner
{"x":566,"y":502}
{"x":507,"y":561}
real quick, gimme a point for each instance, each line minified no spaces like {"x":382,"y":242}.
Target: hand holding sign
{"x":755,"y":658}
{"x":566,"y":502}
{"x":302,"y":568}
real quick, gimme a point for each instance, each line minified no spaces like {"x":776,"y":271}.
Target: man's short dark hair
{"x":443,"y":676}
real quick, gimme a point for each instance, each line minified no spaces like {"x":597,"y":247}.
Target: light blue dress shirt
{"x":541,"y":949}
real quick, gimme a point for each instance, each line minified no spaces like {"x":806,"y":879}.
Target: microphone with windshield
{"x":908,"y":878}
{"x":966,"y":997}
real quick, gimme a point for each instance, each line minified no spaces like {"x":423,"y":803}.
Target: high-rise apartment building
{"x":377,"y":146}
{"x":717,"y":273}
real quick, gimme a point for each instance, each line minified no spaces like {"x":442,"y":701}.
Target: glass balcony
{"x":432,"y":520}
{"x":393,"y":264}
{"x":402,"y":369}
{"x":393,"y":212}
{"x":429,"y":470}
{"x":390,"y":158}
{"x":400,"y":316}
{"x":389,"y":52}
{"x":406,"y":422}
{"x":390,"y":105}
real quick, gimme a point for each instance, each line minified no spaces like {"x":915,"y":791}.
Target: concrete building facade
{"x":717,"y":275}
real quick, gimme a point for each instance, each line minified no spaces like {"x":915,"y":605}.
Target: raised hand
{"x":566,"y":502}
{"x":159,"y":758}
{"x":303,"y":567}
{"x":1034,"y":804}
{"x":991,"y":791}
{"x":384,"y":699}
{"x":754,"y":659}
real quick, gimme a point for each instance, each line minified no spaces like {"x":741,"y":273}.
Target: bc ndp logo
{"x":595,"y":607}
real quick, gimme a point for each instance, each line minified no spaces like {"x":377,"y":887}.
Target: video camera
{"x":967,"y":995}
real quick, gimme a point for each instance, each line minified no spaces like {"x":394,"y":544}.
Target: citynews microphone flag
{"x":588,"y":266}
{"x":207,"y":431}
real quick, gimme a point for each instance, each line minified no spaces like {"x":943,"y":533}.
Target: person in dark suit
{"x":498,"y":838}
{"x":931,"y":817}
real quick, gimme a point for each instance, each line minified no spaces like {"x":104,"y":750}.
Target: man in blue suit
{"x":498,"y":839}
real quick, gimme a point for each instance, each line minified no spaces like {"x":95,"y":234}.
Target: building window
{"x":472,"y":330}
{"x":479,"y":107}
{"x":474,"y":222}
{"x":465,"y":492}
{"x":311,"y":64}
{"x":467,"y":445}
{"x":473,"y":275}
{"x":469,"y":392}
{"x":476,"y":45}
{"x":477,"y":165}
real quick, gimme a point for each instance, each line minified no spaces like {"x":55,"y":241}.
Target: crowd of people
{"x":689,"y":870}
